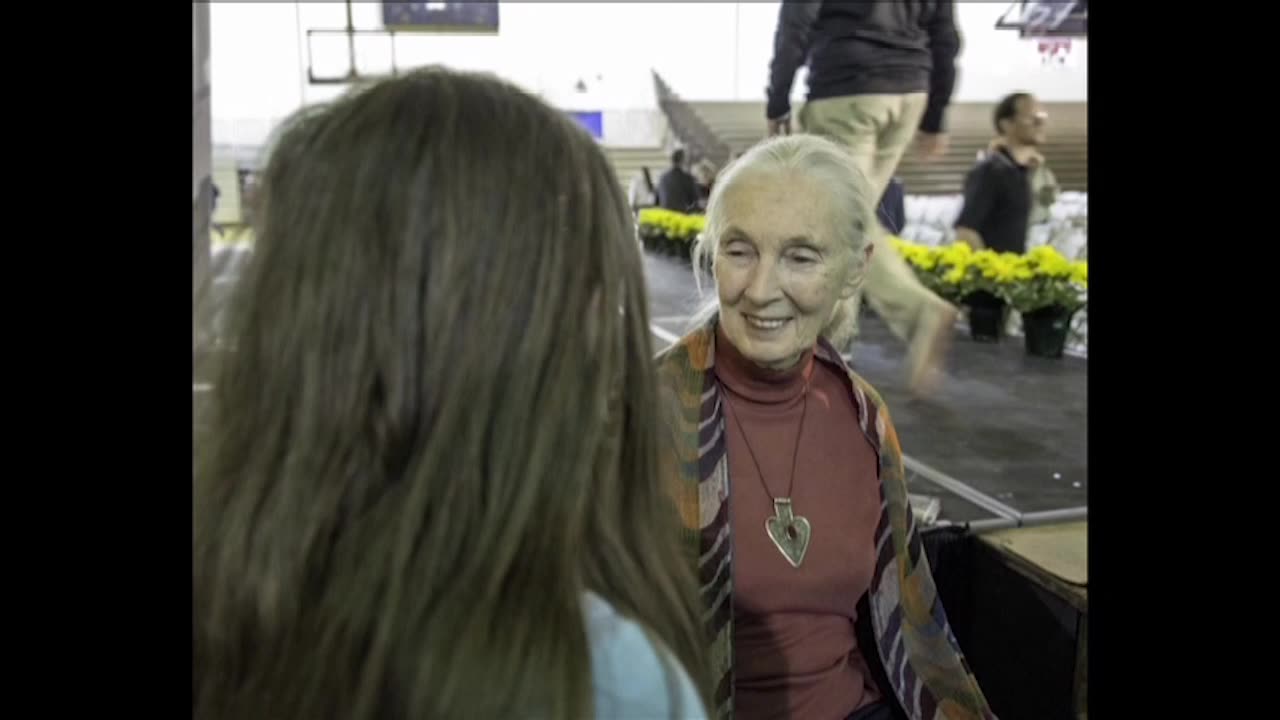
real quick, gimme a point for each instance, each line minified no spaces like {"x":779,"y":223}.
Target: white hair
{"x":851,"y":206}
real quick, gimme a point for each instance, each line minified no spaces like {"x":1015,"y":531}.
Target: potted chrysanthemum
{"x":1049,"y":291}
{"x":669,"y":232}
{"x":978,"y":280}
{"x":990,"y":275}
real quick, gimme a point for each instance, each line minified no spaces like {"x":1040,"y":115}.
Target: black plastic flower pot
{"x":1046,"y":330}
{"x":650,"y":239}
{"x":682,"y":250}
{"x":986,"y":316}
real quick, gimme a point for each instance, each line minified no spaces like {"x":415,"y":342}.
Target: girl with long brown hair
{"x":430,"y":484}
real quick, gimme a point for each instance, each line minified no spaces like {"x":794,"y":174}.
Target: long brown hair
{"x":436,"y":424}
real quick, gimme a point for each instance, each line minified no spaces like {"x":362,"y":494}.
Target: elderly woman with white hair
{"x":786,"y":468}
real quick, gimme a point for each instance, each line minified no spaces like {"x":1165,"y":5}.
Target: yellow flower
{"x":919,"y":256}
{"x":1043,"y":253}
{"x":1080,"y":273}
{"x":1041,"y":275}
{"x":673,"y":224}
{"x":1048,"y":262}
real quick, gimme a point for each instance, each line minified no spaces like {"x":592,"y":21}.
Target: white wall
{"x":707,"y":51}
{"x":260,"y":58}
{"x":255,"y":72}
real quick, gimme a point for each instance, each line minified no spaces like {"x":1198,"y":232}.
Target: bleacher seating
{"x":742,"y":124}
{"x":627,"y":162}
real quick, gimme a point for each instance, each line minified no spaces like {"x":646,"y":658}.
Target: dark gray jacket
{"x":677,"y":190}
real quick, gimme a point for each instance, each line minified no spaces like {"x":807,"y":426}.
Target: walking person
{"x":880,"y":74}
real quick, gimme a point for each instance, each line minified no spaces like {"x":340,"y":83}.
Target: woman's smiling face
{"x":780,"y":266}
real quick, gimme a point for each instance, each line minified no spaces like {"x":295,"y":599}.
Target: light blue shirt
{"x":631,"y":682}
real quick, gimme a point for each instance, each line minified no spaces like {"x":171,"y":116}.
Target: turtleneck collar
{"x":758,"y":384}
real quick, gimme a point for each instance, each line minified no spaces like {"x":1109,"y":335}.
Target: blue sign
{"x":592,"y":121}
{"x":470,"y":16}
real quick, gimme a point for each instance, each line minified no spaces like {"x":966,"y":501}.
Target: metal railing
{"x":692,"y":131}
{"x":1006,"y":516}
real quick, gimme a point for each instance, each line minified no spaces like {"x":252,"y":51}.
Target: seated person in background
{"x":997,"y":191}
{"x":787,"y":469}
{"x":430,"y":485}
{"x":677,"y":190}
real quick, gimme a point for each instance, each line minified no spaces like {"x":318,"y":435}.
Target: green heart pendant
{"x":789,"y":532}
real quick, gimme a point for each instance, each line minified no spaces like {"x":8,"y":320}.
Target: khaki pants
{"x":876,"y":129}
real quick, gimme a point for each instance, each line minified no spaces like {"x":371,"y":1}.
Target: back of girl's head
{"x":436,"y":424}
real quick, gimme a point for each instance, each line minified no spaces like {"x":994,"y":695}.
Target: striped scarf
{"x":923,"y":661}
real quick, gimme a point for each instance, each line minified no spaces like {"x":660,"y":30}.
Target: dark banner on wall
{"x":467,"y":17}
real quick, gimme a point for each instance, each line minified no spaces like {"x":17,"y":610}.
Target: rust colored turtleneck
{"x":795,"y":654}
